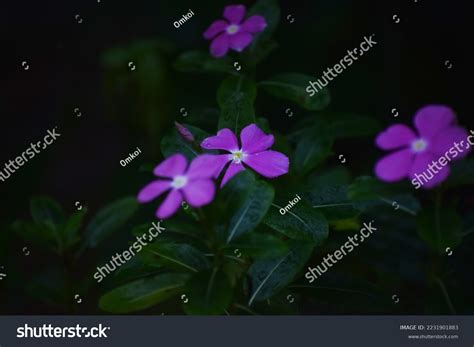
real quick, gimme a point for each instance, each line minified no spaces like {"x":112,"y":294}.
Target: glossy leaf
{"x":271,"y":275}
{"x":109,"y":219}
{"x":235,"y":97}
{"x":143,"y":293}
{"x":292,"y":86}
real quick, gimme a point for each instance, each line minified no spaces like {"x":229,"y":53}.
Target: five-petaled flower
{"x":232,"y":33}
{"x":437,"y":133}
{"x":194,"y":185}
{"x":253,"y":153}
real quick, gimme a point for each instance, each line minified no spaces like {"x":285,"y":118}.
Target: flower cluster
{"x":194,"y":184}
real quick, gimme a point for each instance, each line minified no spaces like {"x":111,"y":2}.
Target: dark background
{"x":405,"y":71}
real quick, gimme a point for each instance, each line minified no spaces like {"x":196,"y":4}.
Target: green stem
{"x":446,"y":295}
{"x":437,"y":220}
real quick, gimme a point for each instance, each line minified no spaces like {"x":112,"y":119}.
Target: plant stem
{"x":437,"y":220}
{"x":446,"y":295}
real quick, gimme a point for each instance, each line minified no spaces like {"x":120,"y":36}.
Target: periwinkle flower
{"x":193,"y":185}
{"x":253,"y":152}
{"x":232,"y":33}
{"x":436,"y":136}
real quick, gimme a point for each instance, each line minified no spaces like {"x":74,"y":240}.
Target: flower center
{"x":419,"y":145}
{"x":238,"y":156}
{"x":179,"y":182}
{"x":232,"y":29}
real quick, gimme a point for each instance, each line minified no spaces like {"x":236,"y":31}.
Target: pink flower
{"x":253,"y":152}
{"x":232,"y":33}
{"x":416,"y":152}
{"x":193,"y":185}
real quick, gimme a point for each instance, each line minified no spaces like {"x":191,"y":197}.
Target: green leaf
{"x":201,"y":62}
{"x":258,"y":245}
{"x":312,"y":149}
{"x":209,"y":293}
{"x":292,"y":86}
{"x":440,"y":230}
{"x":462,"y":173}
{"x":368,"y":192}
{"x":177,"y":256}
{"x":109,"y":219}
{"x":70,"y":230}
{"x":235,"y":97}
{"x":47,"y":211}
{"x":247,"y":200}
{"x":141,"y":294}
{"x":37,"y":234}
{"x":173,"y":143}
{"x":270,"y":276}
{"x":343,"y":125}
{"x":301,"y":222}
{"x":327,"y":192}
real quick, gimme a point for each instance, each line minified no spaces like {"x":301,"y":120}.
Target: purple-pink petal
{"x":240,"y":41}
{"x":234,"y":13}
{"x":254,"y":140}
{"x":170,"y":205}
{"x":153,"y":190}
{"x":446,"y":141}
{"x":421,"y":165}
{"x":394,"y":166}
{"x":172,"y":166}
{"x":225,"y":140}
{"x":438,"y":178}
{"x":396,"y":136}
{"x":206,"y":166}
{"x":254,"y":24}
{"x":215,"y":28}
{"x":231,"y":171}
{"x":199,"y":192}
{"x":268,"y":163}
{"x":220,"y":45}
{"x":432,"y":119}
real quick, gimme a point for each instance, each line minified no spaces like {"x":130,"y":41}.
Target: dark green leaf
{"x":270,"y":276}
{"x":440,"y":229}
{"x":251,"y":199}
{"x":351,"y":125}
{"x":209,"y":293}
{"x":301,"y":222}
{"x":311,"y":150}
{"x":109,"y":219}
{"x":143,"y":293}
{"x":201,"y":62}
{"x":367,"y":192}
{"x":37,"y":234}
{"x":327,"y":192}
{"x":462,"y":173}
{"x":235,"y":97}
{"x":47,"y":211}
{"x":177,"y":256}
{"x":70,"y":231}
{"x":258,"y":245}
{"x":292,"y":86}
